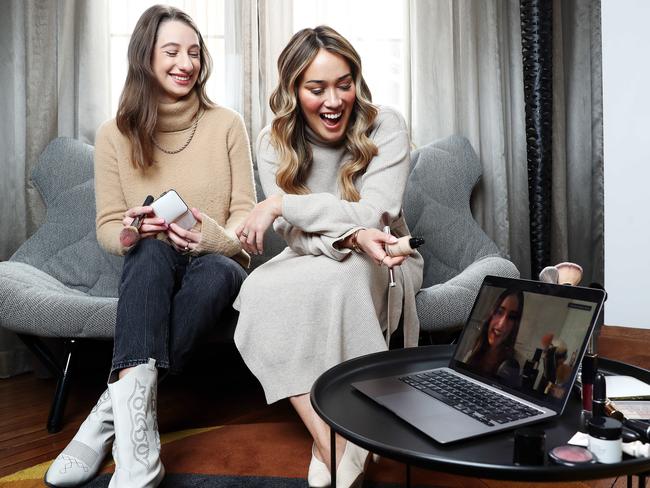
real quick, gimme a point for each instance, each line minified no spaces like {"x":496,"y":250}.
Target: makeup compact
{"x":569,"y":455}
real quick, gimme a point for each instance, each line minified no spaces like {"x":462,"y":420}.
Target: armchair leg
{"x":43,"y":353}
{"x":55,"y":419}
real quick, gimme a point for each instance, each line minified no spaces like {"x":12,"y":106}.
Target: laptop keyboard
{"x":469,"y":398}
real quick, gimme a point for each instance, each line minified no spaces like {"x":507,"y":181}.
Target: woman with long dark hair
{"x":494,"y":350}
{"x":176,"y":281}
{"x":334,"y":168}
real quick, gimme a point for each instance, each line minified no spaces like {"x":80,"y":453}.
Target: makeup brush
{"x":130,"y":235}
{"x":549,"y":274}
{"x":569,"y":273}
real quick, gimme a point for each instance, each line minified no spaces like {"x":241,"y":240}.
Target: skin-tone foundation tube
{"x":404,"y":246}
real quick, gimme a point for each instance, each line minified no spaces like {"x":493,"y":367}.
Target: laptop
{"x":514,"y":364}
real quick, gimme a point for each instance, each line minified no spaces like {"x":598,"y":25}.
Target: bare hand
{"x":185,"y":240}
{"x":372,"y":242}
{"x":150,"y":226}
{"x":251,"y":232}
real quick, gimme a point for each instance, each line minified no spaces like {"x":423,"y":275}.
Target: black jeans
{"x":167,"y":301}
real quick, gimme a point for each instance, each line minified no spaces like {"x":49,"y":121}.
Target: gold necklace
{"x":189,"y":139}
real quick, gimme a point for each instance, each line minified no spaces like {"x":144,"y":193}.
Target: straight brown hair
{"x":137,"y":112}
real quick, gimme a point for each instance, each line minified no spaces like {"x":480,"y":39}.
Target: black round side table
{"x":369,"y":425}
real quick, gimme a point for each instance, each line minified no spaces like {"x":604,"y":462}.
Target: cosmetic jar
{"x":569,"y":455}
{"x":529,"y":446}
{"x":605,"y":439}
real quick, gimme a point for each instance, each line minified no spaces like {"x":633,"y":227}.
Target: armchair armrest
{"x":446,"y":306}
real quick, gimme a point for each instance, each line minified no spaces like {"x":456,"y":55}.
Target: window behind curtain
{"x":209,"y":18}
{"x":378,"y":31}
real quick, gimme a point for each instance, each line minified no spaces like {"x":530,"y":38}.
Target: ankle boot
{"x":79,"y":462}
{"x":136,"y":449}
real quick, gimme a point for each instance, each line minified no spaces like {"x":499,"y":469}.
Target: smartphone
{"x":171,"y":207}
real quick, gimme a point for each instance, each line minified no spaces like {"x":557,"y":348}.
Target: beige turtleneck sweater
{"x":214,"y":173}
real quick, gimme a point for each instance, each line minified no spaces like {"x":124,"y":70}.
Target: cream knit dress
{"x":314,"y":306}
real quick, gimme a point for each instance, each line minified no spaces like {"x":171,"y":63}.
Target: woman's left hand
{"x":251,"y":232}
{"x":373,"y":241}
{"x":185,"y":240}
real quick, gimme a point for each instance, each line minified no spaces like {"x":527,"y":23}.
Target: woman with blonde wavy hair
{"x":333,"y":167}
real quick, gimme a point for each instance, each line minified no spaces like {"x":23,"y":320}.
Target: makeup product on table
{"x":599,"y":396}
{"x":589,"y":368}
{"x":640,"y":427}
{"x":404,"y":246}
{"x":130,"y":235}
{"x":637,"y":449}
{"x":569,"y":455}
{"x":529,"y":447}
{"x":605,"y":439}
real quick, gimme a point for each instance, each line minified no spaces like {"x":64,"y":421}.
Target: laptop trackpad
{"x":416,"y":406}
{"x":434,"y":418}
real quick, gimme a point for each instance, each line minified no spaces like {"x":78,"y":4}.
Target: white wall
{"x":626,"y":118}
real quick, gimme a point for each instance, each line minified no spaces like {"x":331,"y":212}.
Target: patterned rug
{"x":265,"y":454}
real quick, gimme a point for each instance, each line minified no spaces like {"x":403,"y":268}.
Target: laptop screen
{"x":528,"y":337}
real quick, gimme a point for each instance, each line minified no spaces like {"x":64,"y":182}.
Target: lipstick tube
{"x":589,"y":367}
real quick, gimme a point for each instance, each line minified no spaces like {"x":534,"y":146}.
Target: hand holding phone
{"x":171,"y":207}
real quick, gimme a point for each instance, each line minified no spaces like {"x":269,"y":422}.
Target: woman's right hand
{"x":150,"y":225}
{"x":251,"y":232}
{"x":372,"y":242}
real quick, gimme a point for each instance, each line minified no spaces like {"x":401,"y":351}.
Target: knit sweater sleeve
{"x":222,"y":239}
{"x":381,"y":187}
{"x":109,"y":197}
{"x":299,"y":241}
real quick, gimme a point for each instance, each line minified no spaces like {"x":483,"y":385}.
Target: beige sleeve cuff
{"x":215,"y":239}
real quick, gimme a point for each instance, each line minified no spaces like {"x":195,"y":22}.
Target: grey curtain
{"x":56,"y":81}
{"x":466,"y":68}
{"x":577,"y":232}
{"x":467,"y":79}
{"x":256,"y":33}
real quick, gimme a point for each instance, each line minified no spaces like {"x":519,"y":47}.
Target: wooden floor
{"x":219,"y":381}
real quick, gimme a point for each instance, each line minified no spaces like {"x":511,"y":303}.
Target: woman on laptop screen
{"x":494,"y":350}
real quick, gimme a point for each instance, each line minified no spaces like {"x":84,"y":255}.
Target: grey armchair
{"x":457,"y":254}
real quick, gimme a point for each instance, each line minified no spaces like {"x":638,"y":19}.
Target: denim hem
{"x":116,"y":367}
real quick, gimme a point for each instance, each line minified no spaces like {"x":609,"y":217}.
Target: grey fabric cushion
{"x":457,"y":253}
{"x":34,"y":302}
{"x":60,"y":283}
{"x":65,"y":245}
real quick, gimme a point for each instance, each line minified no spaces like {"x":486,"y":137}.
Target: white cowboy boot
{"x":136,"y":449}
{"x":83,"y":456}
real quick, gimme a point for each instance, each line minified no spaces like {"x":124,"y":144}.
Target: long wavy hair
{"x":137,"y":112}
{"x":288,"y":127}
{"x":507,"y":347}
